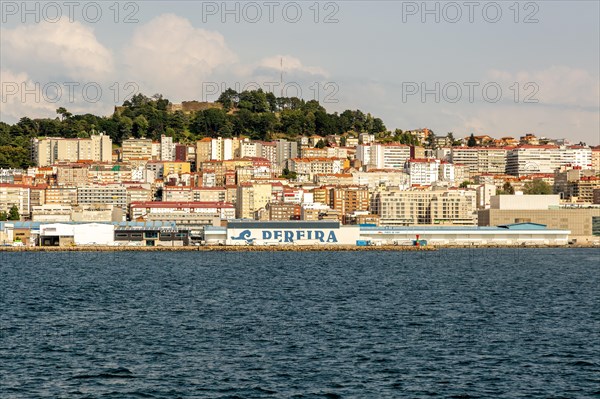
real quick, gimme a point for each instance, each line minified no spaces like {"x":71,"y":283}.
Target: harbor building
{"x":582,"y":221}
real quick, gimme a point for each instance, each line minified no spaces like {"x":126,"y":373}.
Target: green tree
{"x":537,"y":187}
{"x":320,"y":144}
{"x":140,"y":126}
{"x":13,"y":214}
{"x":465,"y":184}
{"x":62,"y":111}
{"x":472,"y":142}
{"x":507,"y":188}
{"x":3,"y":216}
{"x":287,"y":174}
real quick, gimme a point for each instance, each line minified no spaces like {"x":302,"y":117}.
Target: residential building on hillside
{"x":49,"y":150}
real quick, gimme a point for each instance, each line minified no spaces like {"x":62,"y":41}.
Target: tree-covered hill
{"x":255,"y":114}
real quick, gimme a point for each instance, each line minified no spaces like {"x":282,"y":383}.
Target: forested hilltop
{"x":254,"y":114}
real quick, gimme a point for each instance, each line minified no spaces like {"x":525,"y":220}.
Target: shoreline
{"x":283,"y":248}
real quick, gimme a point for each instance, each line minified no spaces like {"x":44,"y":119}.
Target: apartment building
{"x":167,"y":148}
{"x":280,"y":211}
{"x":596,"y":159}
{"x":12,"y":194}
{"x":529,"y":159}
{"x":72,"y":175}
{"x":285,"y":150}
{"x":406,"y":208}
{"x":108,"y":174}
{"x":383,"y":156}
{"x":347,"y":200}
{"x":137,"y":149}
{"x":250,"y":198}
{"x":423,"y":172}
{"x":312,"y":166}
{"x":491,"y":160}
{"x":49,"y":150}
{"x":467,"y":156}
{"x":375,"y":179}
{"x":103,"y":194}
{"x":61,"y":195}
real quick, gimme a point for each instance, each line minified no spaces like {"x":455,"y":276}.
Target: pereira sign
{"x":288,"y":236}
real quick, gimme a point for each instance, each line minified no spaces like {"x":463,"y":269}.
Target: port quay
{"x":285,"y":235}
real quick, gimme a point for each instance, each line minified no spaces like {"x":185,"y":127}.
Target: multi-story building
{"x":347,"y":200}
{"x":566,"y":181}
{"x":72,"y":175}
{"x":375,"y":179}
{"x":210,"y":194}
{"x":108,"y":174}
{"x":138,"y":194}
{"x":383,"y":156}
{"x":103,"y":194}
{"x":285,"y":150}
{"x":167,"y":148}
{"x":491,"y":160}
{"x":529,"y":159}
{"x":423,"y":172}
{"x":250,"y":198}
{"x":49,"y":150}
{"x":11,"y":195}
{"x":280,"y":211}
{"x":310,"y":152}
{"x":137,"y":149}
{"x":596,"y":159}
{"x":405,"y":208}
{"x":312,"y":166}
{"x":467,"y":156}
{"x":577,"y":156}
{"x":61,"y":195}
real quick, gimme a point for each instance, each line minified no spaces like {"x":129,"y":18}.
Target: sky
{"x":502,"y":68}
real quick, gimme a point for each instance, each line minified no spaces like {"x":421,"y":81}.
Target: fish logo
{"x":244,"y":235}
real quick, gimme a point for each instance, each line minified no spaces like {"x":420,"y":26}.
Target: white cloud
{"x":170,"y":56}
{"x":290,"y":64}
{"x":558,"y":85}
{"x":15,"y":104}
{"x":64,"y":48}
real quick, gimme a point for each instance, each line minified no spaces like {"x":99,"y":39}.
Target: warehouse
{"x":511,"y":234}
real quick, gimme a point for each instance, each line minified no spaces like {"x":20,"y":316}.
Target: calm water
{"x":450,"y":324}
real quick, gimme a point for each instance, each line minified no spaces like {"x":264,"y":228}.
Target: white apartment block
{"x":423,"y":172}
{"x":528,"y":159}
{"x":577,"y":156}
{"x":250,"y":149}
{"x":167,"y":148}
{"x":49,"y":150}
{"x":383,"y":156}
{"x":447,"y":172}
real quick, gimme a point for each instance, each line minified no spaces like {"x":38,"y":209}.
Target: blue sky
{"x":378,"y":57}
